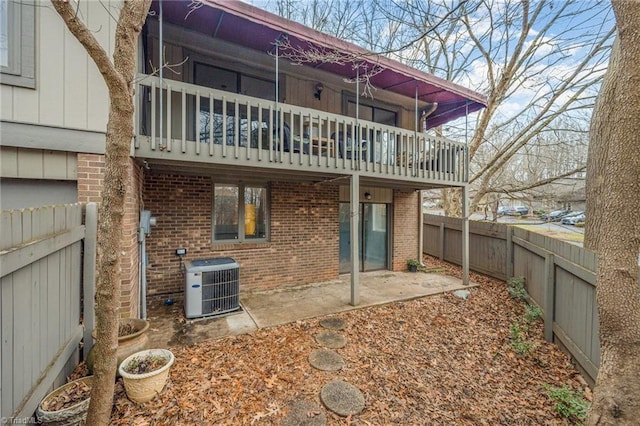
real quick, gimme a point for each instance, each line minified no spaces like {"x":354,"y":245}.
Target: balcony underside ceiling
{"x":235,"y":173}
{"x":260,"y":29}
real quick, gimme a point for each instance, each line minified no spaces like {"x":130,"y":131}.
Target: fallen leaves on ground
{"x":434,"y":360}
{"x":74,"y":394}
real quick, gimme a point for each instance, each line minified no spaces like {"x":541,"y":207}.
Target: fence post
{"x":509,"y":268}
{"x":89,"y":274}
{"x":441,"y":240}
{"x":549,"y":296}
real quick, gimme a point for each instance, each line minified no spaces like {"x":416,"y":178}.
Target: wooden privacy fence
{"x":47,"y":264}
{"x":560,"y":277}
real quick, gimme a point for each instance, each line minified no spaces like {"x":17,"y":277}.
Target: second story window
{"x":372,"y":113}
{"x":235,"y":82}
{"x":17,"y":43}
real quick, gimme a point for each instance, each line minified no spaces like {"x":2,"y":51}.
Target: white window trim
{"x":21,"y":68}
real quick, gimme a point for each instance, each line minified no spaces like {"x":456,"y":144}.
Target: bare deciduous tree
{"x":613,"y":202}
{"x":119,"y":77}
{"x":540,"y":64}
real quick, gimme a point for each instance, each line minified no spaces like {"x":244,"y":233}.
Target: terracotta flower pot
{"x":143,"y":387}
{"x":74,"y":415}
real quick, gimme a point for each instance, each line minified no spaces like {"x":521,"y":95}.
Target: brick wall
{"x":303,"y":247}
{"x":304,"y":243}
{"x":90,"y":181}
{"x":90,"y":177}
{"x":129,"y":296}
{"x":405,"y":228}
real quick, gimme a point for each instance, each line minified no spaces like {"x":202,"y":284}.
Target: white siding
{"x":69,"y":90}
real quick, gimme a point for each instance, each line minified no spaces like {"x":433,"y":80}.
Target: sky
{"x":559,"y":46}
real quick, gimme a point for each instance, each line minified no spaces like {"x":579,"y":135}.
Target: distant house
{"x":238,"y":151}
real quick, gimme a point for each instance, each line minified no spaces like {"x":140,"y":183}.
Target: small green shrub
{"x":519,"y":342}
{"x":570,"y":404}
{"x":515,"y":287}
{"x":532,"y":313}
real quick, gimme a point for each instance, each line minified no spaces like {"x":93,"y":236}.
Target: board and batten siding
{"x":70,"y":92}
{"x":43,"y":274}
{"x":37,"y":164}
{"x":560,"y":277}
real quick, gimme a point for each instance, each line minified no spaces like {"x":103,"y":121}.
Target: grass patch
{"x":532,"y":313}
{"x":575,"y":237}
{"x":515,"y":287}
{"x":570,"y":404}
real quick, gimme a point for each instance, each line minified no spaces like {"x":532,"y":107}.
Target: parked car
{"x":518,"y":211}
{"x":513,"y":210}
{"x":555,"y":215}
{"x":573,"y":219}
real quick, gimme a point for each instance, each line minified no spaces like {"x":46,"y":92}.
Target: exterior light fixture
{"x":319,"y":89}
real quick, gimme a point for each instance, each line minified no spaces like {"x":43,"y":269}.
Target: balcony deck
{"x":242,"y":135}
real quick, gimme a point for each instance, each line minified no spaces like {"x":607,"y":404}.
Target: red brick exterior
{"x":90,"y":179}
{"x":303,"y":244}
{"x":405,"y":228}
{"x":304,"y":231}
{"x":90,"y":171}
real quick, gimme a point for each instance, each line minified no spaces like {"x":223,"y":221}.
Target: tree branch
{"x":66,"y":11}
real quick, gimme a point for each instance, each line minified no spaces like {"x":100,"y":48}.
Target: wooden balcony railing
{"x":207,"y":125}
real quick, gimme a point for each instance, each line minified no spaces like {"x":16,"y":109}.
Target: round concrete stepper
{"x":331,"y":339}
{"x":342,"y":398}
{"x":326,"y":360}
{"x":333,"y":323}
{"x":304,"y":413}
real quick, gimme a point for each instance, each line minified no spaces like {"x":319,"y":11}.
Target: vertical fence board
{"x":21,"y":332}
{"x":44,"y":311}
{"x":6,"y":322}
{"x":35,"y":285}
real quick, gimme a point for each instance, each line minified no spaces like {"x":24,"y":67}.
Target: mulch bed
{"x":435,"y":360}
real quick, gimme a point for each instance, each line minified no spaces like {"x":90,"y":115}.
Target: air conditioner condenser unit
{"x":212,"y":287}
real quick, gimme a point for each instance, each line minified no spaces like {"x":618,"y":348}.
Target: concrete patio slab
{"x":280,"y":306}
{"x":275,"y":307}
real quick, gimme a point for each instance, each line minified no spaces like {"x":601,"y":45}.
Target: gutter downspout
{"x":420,"y":192}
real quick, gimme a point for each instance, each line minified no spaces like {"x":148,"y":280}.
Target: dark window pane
{"x":216,"y":78}
{"x":225,"y":212}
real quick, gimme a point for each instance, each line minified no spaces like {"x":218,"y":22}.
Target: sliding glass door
{"x":373,"y":236}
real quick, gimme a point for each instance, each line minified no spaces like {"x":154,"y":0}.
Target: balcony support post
{"x":465,"y":236}
{"x":354,"y":207}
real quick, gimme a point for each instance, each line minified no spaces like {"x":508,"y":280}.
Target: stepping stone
{"x":303,"y":413}
{"x":331,"y":339}
{"x":326,"y":360}
{"x":342,"y":398}
{"x":333,"y":323}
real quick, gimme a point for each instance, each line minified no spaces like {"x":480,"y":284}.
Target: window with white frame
{"x":17,"y":42}
{"x":240,"y":213}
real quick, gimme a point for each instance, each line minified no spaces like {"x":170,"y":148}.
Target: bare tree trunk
{"x":119,"y":77}
{"x":452,"y":202}
{"x":614,"y":179}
